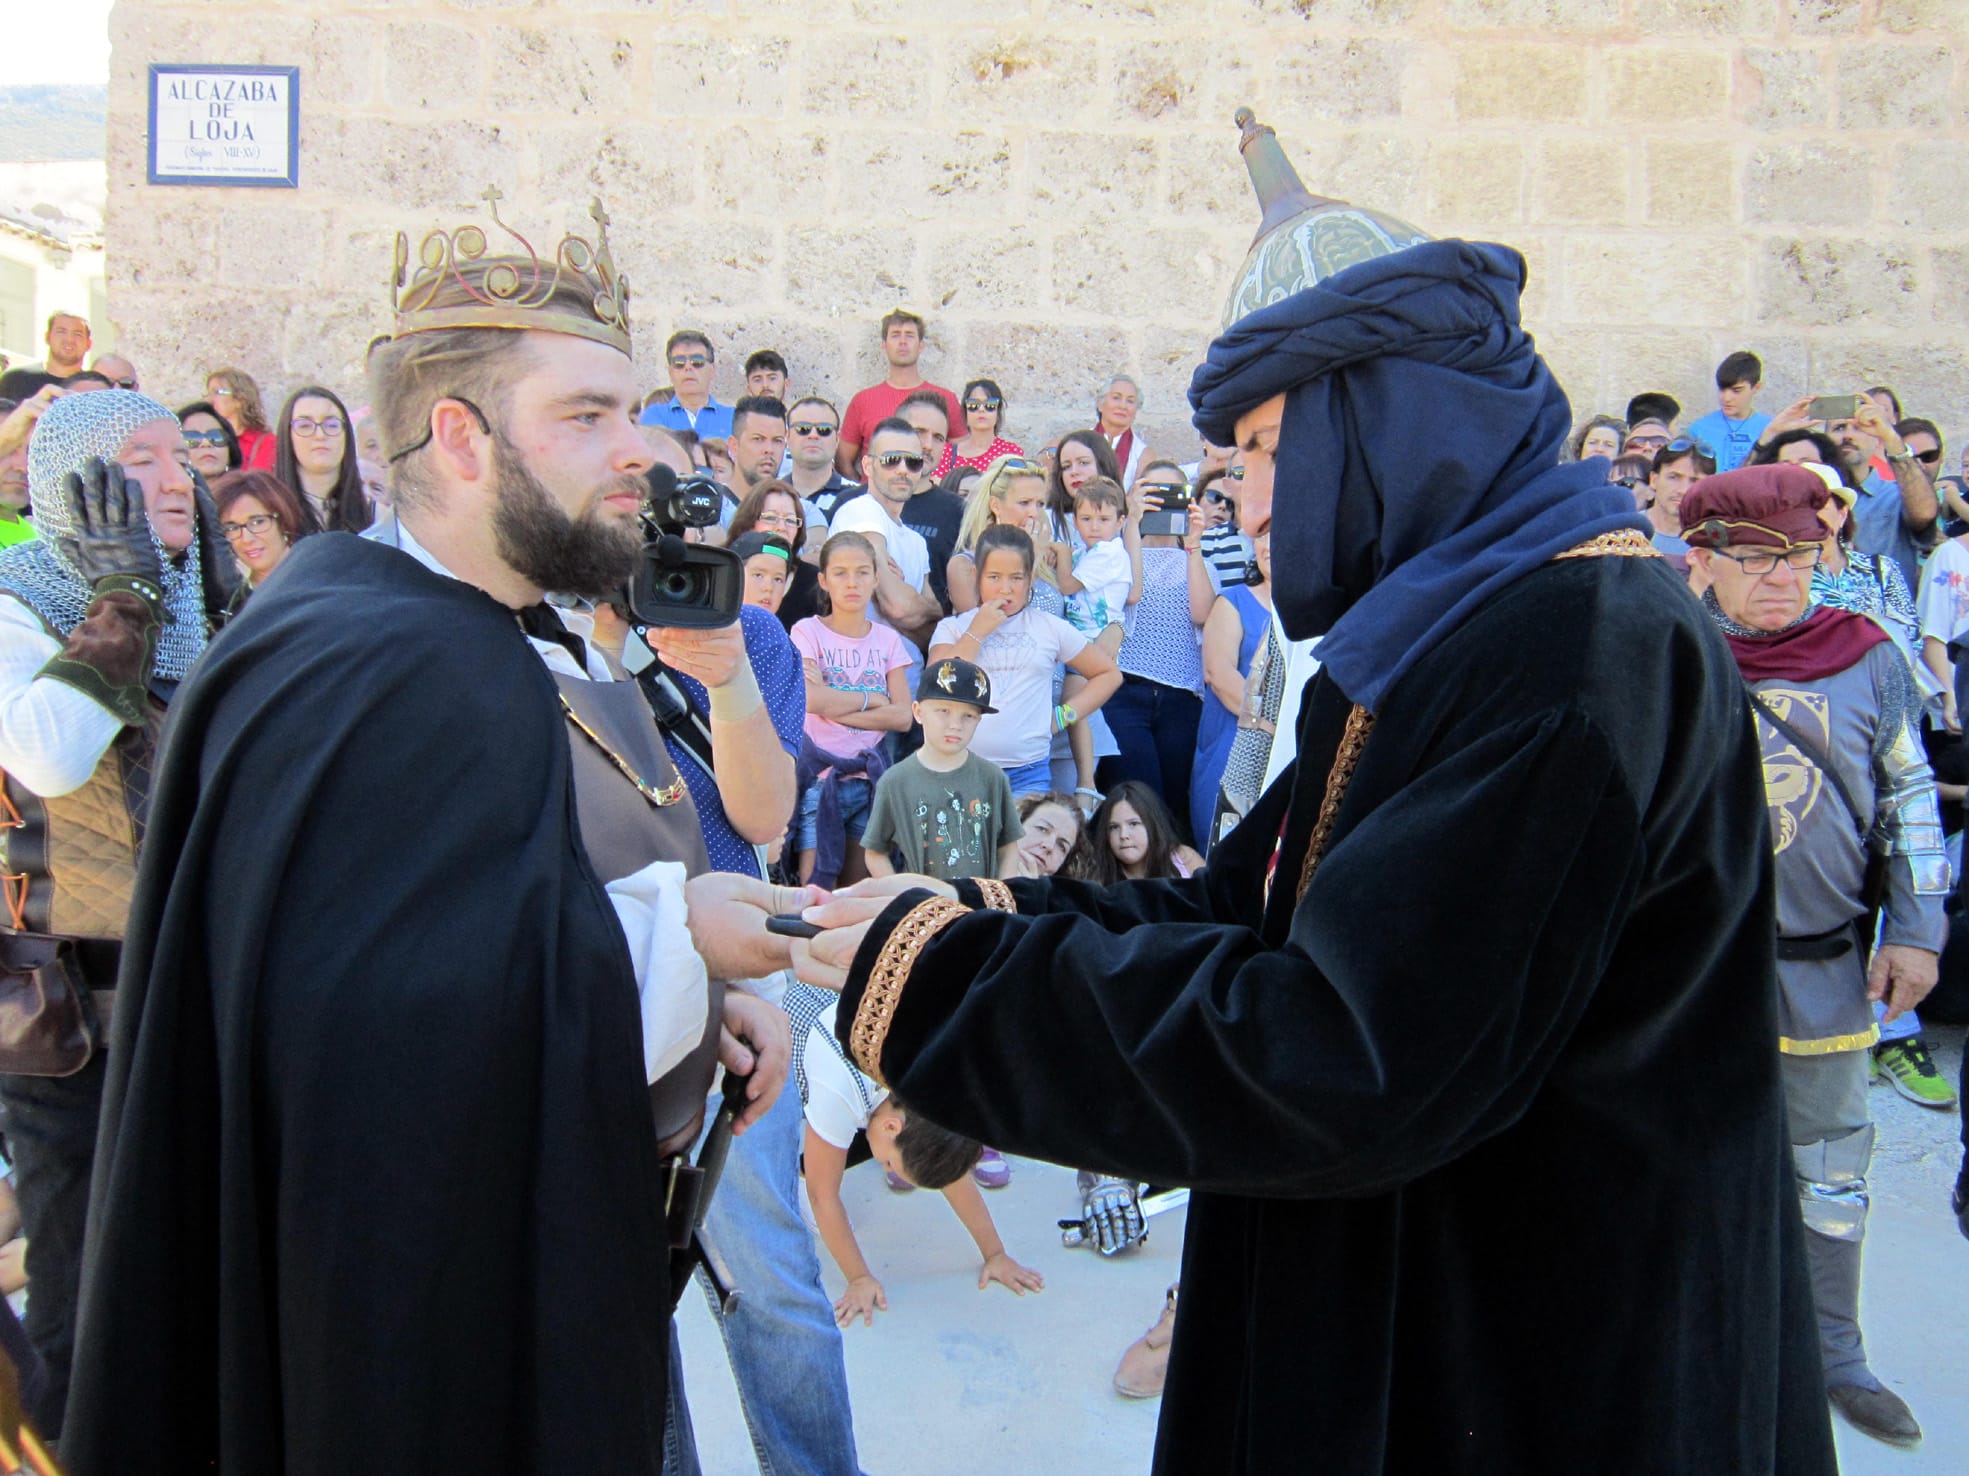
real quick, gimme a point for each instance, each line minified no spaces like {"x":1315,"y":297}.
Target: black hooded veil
{"x":377,"y":1187}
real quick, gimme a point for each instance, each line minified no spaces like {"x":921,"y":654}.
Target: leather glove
{"x":1112,"y":1209}
{"x":218,"y":570}
{"x":112,"y":536}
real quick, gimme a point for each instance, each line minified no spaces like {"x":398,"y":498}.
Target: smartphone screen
{"x":1835,"y":407}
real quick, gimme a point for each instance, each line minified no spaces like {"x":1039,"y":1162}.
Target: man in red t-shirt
{"x":902,"y":345}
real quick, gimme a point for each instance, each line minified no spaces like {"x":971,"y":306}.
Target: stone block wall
{"x":1055,"y":183}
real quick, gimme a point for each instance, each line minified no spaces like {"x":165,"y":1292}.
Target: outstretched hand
{"x":727,"y":921}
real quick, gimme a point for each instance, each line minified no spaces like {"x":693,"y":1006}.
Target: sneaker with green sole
{"x":1907,"y":1064}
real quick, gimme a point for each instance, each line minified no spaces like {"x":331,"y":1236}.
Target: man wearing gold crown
{"x":378,"y":1187}
{"x":1462,"y":1039}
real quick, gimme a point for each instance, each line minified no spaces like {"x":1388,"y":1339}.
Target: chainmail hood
{"x":70,"y":432}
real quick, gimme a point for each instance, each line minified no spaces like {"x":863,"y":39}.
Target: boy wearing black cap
{"x":945,"y":810}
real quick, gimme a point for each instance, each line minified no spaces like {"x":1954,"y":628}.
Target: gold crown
{"x":502,"y":294}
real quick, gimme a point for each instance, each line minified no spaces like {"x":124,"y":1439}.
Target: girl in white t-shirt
{"x":1019,"y":646}
{"x":857,"y":692}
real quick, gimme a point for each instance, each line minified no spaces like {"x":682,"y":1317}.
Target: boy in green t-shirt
{"x":947,"y":811}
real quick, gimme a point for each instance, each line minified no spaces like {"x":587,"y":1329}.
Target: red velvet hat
{"x":1769,"y":506}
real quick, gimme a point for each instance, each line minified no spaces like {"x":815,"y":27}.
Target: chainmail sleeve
{"x":1907,"y":817}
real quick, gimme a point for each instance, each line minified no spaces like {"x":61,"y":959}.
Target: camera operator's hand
{"x":727,"y":921}
{"x":112,"y":535}
{"x":714,"y":657}
{"x":755,"y":1041}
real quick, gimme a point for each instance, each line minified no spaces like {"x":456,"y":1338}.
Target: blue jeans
{"x":784,"y":1347}
{"x":1032,"y":778}
{"x":1155,"y":727}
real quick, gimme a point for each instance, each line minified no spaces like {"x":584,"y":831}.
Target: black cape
{"x":1487,"y":1130}
{"x":377,"y":1187}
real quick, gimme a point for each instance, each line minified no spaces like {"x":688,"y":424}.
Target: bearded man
{"x":1424,"y":1036}
{"x":379,"y":1187}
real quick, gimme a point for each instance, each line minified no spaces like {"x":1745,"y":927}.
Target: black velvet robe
{"x":377,"y":1187}
{"x":1486,"y":1131}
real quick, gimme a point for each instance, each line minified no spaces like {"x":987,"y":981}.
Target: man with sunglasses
{"x":813,"y":429}
{"x":894,"y":468}
{"x":119,"y":371}
{"x":1678,"y":466}
{"x":693,"y":364}
{"x":1837,"y":718}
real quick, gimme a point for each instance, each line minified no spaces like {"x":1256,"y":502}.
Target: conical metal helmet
{"x":1302,"y":238}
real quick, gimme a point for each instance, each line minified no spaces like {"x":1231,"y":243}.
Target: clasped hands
{"x":727,"y":919}
{"x":824,"y":961}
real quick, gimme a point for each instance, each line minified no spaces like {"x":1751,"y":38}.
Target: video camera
{"x":687,"y":586}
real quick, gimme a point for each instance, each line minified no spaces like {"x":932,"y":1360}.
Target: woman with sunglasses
{"x":213,"y":446}
{"x":981,"y":444}
{"x":234,"y":394}
{"x":1226,"y":551}
{"x":260,"y":516}
{"x":774,"y":508}
{"x":317,"y":457}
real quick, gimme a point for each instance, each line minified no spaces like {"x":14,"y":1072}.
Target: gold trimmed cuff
{"x":997,"y":896}
{"x":879,"y":998}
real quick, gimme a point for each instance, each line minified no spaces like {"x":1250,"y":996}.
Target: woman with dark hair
{"x":237,"y":398}
{"x":775,"y":508}
{"x":213,"y":445}
{"x":317,"y":457}
{"x":1082,"y":456}
{"x":983,"y":441}
{"x":1055,"y":841}
{"x":1134,"y":836}
{"x":260,"y":516}
{"x":1600,"y":436}
{"x":960,"y":481}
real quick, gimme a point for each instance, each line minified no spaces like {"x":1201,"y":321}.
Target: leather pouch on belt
{"x":47,"y":1019}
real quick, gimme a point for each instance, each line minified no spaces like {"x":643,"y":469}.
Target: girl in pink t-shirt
{"x":857,"y":690}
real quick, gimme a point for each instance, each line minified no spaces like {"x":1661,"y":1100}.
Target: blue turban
{"x":1418,"y":462}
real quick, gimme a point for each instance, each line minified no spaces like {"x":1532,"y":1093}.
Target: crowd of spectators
{"x":995,"y":651}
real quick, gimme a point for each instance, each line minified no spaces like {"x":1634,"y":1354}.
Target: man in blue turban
{"x":1462,"y":1040}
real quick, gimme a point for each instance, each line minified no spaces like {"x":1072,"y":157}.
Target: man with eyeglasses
{"x":693,"y":364}
{"x":1837,"y":717}
{"x":903,"y":334}
{"x":813,"y":428}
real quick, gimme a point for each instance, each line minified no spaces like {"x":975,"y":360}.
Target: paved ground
{"x":953,"y":1381}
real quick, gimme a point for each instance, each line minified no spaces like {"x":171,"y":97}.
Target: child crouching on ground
{"x":945,"y":810}
{"x":840,"y":1100}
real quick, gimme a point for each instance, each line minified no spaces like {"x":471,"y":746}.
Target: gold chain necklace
{"x":662,"y":798}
